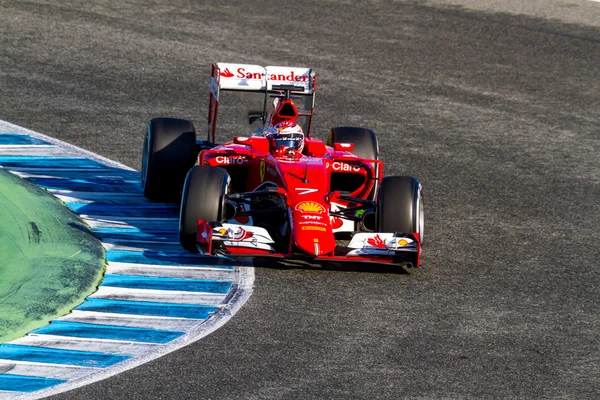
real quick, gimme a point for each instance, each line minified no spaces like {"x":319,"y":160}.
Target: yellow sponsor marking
{"x":263,"y":168}
{"x":313,"y":228}
{"x":310,"y":206}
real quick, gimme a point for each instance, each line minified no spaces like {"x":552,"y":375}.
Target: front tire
{"x":169,"y":152}
{"x":202,"y":198}
{"x":400,"y":206}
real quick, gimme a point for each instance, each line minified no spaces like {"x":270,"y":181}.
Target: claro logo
{"x":227,"y":160}
{"x":342,"y":166}
{"x":241,"y":73}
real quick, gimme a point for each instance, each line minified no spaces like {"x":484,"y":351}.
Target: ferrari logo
{"x":263,"y":168}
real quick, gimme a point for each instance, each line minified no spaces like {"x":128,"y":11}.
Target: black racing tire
{"x":364,"y":140}
{"x":202,"y":198}
{"x":400,"y":206}
{"x":169,"y":152}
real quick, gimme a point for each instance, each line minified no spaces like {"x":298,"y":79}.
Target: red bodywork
{"x":304,"y":181}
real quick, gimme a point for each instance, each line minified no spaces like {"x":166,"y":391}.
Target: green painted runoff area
{"x":49,"y":259}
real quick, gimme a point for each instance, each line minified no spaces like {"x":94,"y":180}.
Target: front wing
{"x":252,"y":241}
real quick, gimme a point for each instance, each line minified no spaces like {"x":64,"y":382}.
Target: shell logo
{"x":310,"y":206}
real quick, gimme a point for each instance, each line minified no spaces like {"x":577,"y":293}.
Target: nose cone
{"x":313,"y":234}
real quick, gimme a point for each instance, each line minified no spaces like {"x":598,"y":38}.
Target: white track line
{"x":163,"y":296}
{"x":92,"y":317}
{"x":168,"y":271}
{"x":120,"y":347}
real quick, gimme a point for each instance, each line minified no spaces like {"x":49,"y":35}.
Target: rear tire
{"x":169,"y":152}
{"x":400,"y":206}
{"x":364,"y":140}
{"x":202,"y":198}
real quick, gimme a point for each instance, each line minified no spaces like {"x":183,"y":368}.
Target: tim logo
{"x":311,"y":217}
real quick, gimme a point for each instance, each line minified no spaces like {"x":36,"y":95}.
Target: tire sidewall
{"x":202,"y":199}
{"x":169,"y":152}
{"x":400,"y":206}
{"x":364,"y":140}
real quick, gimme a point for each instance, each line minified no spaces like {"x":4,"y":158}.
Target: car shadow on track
{"x":341,"y":266}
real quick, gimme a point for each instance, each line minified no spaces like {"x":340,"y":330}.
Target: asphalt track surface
{"x":497,"y":113}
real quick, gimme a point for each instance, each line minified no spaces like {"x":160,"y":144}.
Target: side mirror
{"x":254,"y":116}
{"x":343,"y":146}
{"x":242,"y":140}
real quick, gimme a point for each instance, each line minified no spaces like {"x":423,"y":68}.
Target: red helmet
{"x":285,"y":136}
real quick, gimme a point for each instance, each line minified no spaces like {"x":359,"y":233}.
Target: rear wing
{"x":247,"y":77}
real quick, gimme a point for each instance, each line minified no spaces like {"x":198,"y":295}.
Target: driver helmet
{"x":285,"y":136}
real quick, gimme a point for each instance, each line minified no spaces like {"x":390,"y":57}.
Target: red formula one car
{"x":277,"y":191}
